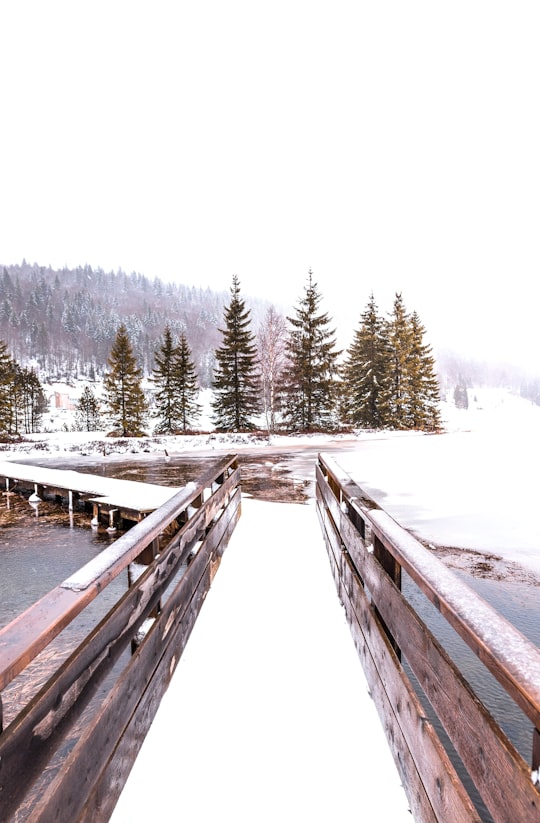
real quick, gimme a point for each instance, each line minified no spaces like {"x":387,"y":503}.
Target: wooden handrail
{"x":151,"y":621}
{"x":367,"y":551}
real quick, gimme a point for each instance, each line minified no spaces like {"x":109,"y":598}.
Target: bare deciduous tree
{"x":272,"y":358}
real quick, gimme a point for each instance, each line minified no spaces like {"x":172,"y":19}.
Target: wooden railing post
{"x":393,"y":570}
{"x":145,"y":558}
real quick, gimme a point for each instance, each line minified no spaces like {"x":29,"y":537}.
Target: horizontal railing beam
{"x":512,"y":659}
{"x":29,"y":633}
{"x":368,"y":551}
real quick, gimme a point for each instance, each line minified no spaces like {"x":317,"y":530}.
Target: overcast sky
{"x":389,"y":146}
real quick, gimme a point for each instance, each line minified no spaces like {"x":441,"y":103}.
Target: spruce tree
{"x":187,"y":385}
{"x":422,"y":382}
{"x":235,"y":381}
{"x":32,"y":400}
{"x":124,"y":395}
{"x":310,"y":376}
{"x":87,"y":414}
{"x":365,"y":371}
{"x":177,"y":385}
{"x":399,"y":342}
{"x":166,"y":408}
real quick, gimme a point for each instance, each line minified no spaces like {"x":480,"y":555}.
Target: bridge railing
{"x":369,"y":554}
{"x":66,"y":753}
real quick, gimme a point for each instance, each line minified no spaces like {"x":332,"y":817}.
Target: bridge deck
{"x":268,"y":715}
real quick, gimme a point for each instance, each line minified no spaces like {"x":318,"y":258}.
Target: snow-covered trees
{"x":87,"y":415}
{"x":389,"y":372}
{"x":22,"y":401}
{"x":310,"y":375}
{"x":422,"y":382}
{"x":123,"y":393}
{"x":235,"y":384}
{"x":176,"y":385}
{"x":365,"y":372}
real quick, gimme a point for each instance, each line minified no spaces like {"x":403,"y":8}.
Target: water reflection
{"x":40,"y":545}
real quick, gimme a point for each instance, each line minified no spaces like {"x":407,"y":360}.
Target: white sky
{"x":389,"y":146}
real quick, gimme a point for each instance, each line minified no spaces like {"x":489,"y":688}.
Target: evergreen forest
{"x":115,"y":328}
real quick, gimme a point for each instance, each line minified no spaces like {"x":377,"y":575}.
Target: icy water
{"x":40,"y":547}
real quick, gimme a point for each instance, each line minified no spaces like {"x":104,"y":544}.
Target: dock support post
{"x":35,"y":498}
{"x":112,"y":526}
{"x":95,"y":515}
{"x":70,"y":500}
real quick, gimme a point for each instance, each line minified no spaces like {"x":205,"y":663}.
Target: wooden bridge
{"x":369,"y":554}
{"x":66,"y":753}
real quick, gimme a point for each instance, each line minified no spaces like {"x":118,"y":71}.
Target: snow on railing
{"x":369,"y":552}
{"x":85,"y":725}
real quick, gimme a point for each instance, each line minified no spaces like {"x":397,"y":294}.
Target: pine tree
{"x":166,"y":408}
{"x":272,"y":360}
{"x":87,"y":413}
{"x":422,"y":382}
{"x":33,"y":402}
{"x":124,"y":395}
{"x":187,"y":385}
{"x":400,"y":342}
{"x":310,"y":376}
{"x":177,"y":385}
{"x":365,"y":371}
{"x":235,"y":380}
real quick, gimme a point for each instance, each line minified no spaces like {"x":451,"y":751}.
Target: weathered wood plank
{"x":496,"y":768}
{"x":512,"y":659}
{"x":432,"y":786}
{"x":34,"y":629}
{"x":107,"y":789}
{"x":498,"y":771}
{"x":148,"y":671}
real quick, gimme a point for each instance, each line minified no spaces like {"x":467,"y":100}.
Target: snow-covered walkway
{"x":268,"y":715}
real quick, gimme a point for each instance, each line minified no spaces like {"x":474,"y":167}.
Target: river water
{"x":41,"y":546}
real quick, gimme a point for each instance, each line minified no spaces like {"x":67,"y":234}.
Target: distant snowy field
{"x":476,"y":486}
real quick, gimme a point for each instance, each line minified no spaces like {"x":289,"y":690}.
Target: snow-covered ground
{"x":476,"y":487}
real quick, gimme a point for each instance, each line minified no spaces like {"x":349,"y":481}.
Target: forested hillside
{"x":65,"y":321}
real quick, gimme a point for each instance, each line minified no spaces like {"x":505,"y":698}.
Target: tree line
{"x":289,"y":372}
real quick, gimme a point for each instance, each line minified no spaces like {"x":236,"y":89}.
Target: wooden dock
{"x":112,"y":500}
